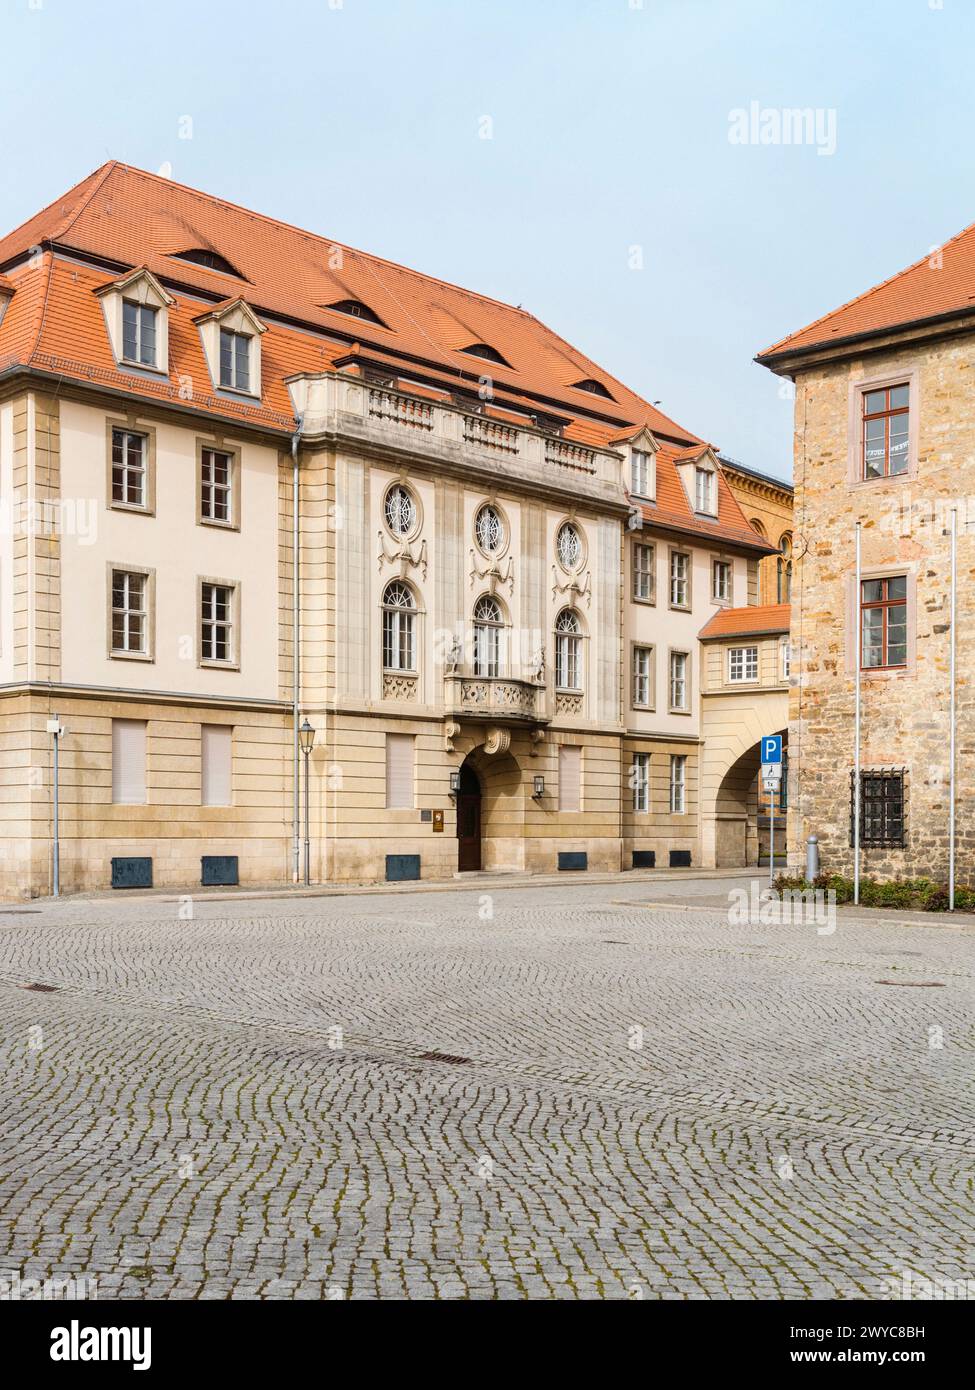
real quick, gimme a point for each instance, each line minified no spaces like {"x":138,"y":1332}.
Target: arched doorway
{"x":468,"y":820}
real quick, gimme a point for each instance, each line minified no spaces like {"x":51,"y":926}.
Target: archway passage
{"x":468,"y":820}
{"x":745,"y":813}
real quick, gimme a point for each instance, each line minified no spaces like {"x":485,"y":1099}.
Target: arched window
{"x":784,"y":570}
{"x":568,"y":651}
{"x":489,"y":529}
{"x":399,"y":628}
{"x":488,"y":627}
{"x":399,"y":510}
{"x":568,"y":547}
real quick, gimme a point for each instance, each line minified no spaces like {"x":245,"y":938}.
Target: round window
{"x":489,"y":530}
{"x":400,"y":511}
{"x":568,"y":546}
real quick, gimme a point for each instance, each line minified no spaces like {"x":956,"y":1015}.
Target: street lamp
{"x":306,"y":737}
{"x":454,"y":781}
{"x":57,"y":731}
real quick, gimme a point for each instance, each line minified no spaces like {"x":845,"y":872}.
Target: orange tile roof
{"x":923,"y":290}
{"x":754,"y":621}
{"x":119,"y":218}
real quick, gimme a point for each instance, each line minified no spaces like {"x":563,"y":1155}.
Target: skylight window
{"x":209,"y":260}
{"x":595,"y":388}
{"x":356,"y":310}
{"x":488,"y":353}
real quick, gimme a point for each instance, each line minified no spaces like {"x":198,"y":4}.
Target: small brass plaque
{"x":438,"y":822}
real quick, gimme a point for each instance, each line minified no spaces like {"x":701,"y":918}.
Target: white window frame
{"x":641,"y":473}
{"x":719,"y":566}
{"x":143,"y":312}
{"x":648,"y":574}
{"x":641,"y":676}
{"x":678,"y":784}
{"x":679,"y":674}
{"x":704,"y":491}
{"x":641,"y":783}
{"x":210,"y":625}
{"x":680,"y":579}
{"x":234,"y":384}
{"x":785,"y":659}
{"x":742,"y":665}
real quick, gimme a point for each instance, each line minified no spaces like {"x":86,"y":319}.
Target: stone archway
{"x":502,"y":797}
{"x":732,"y":728}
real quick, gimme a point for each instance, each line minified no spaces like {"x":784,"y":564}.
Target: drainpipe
{"x":296,"y":656}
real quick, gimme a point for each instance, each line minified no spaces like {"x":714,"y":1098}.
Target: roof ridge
{"x":64,"y":227}
{"x":857,"y":298}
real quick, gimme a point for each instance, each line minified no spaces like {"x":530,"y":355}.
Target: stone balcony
{"x":499,"y":699}
{"x":342,"y":406}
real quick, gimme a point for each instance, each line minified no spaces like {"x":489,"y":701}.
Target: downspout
{"x":296,"y":657}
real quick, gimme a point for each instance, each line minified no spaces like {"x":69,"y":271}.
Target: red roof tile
{"x":755,"y":621}
{"x":928,"y":288}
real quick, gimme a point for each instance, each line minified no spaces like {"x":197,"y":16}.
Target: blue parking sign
{"x":772,"y":748}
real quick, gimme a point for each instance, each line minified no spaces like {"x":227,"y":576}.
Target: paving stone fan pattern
{"x":410,"y":1097}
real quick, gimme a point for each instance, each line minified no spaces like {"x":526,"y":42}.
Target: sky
{"x":581,"y":158}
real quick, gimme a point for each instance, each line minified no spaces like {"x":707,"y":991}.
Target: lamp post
{"x":56,"y":729}
{"x":306,"y":736}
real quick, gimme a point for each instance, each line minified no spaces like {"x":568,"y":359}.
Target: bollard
{"x":812,"y":858}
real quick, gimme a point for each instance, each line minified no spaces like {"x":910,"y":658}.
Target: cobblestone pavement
{"x":654,"y":1102}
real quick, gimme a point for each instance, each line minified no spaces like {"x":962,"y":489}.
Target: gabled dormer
{"x":640,"y":463}
{"x":698,"y":470}
{"x":231,"y":336}
{"x":136,"y":310}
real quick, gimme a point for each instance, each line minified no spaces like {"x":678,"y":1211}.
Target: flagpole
{"x":858,"y":619}
{"x":951,"y":751}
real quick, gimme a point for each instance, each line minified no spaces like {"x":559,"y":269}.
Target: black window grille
{"x":881,"y":807}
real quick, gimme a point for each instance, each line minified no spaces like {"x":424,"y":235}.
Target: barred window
{"x":881,"y":807}
{"x":399,"y":628}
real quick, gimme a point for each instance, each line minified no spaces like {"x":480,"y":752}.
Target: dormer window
{"x":356,"y":310}
{"x":209,"y":260}
{"x":488,"y":353}
{"x":231,"y":336}
{"x":136,"y":310}
{"x":704,"y":491}
{"x":595,"y":388}
{"x":234,"y":360}
{"x":139,"y":333}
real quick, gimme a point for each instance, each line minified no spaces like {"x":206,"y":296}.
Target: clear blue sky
{"x":610,"y":130}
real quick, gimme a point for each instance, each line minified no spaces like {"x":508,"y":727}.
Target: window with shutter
{"x":399,"y":772}
{"x":216,"y":753}
{"x":129,"y":762}
{"x":570,"y":778}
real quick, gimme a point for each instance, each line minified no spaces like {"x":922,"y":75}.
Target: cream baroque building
{"x":253,"y":481}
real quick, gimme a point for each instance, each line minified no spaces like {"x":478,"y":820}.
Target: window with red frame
{"x":886,"y":414}
{"x":883,"y":620}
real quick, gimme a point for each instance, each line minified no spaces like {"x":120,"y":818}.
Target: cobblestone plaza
{"x":519,"y":1093}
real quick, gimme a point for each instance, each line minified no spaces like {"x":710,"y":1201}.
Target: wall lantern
{"x":455,"y":781}
{"x":538,"y":784}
